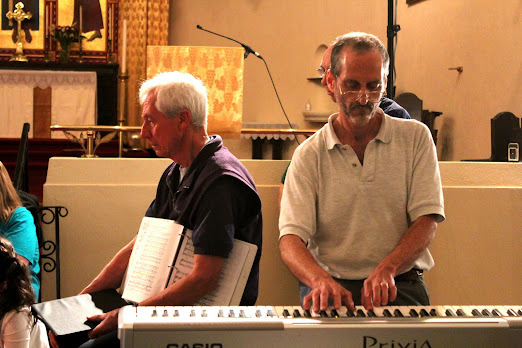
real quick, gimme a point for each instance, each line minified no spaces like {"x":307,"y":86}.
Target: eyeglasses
{"x":372,"y":95}
{"x":322,"y":71}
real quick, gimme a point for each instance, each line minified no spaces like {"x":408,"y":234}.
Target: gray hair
{"x":176,"y":91}
{"x":360,"y":43}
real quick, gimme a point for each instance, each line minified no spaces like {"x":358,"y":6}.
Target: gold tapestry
{"x":220,"y":69}
{"x":146,"y":24}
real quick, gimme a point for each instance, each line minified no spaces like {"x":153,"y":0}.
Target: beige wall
{"x":483,"y":36}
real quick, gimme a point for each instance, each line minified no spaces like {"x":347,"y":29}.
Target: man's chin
{"x":158,"y":151}
{"x":360,"y":112}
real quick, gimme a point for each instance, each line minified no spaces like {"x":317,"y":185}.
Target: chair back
{"x":21,"y":177}
{"x":412,"y":104}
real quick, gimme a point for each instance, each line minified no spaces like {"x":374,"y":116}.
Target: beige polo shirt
{"x":352,"y":216}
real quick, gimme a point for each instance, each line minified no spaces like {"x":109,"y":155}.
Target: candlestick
{"x":124,"y":49}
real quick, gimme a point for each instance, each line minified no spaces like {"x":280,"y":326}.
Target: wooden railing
{"x":93,"y":140}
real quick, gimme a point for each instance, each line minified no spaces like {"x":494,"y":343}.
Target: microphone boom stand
{"x":392,"y":31}
{"x":249,"y":50}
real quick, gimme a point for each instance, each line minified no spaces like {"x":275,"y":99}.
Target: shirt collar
{"x":384,"y":135}
{"x":330,"y":136}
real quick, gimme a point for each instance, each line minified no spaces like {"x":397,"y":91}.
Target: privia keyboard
{"x":291,"y":326}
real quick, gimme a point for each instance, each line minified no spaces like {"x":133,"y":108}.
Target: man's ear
{"x":185,"y":117}
{"x":330,"y":81}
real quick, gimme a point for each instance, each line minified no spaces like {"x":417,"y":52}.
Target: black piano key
{"x":220,"y":314}
{"x":434,"y":313}
{"x":397,"y":313}
{"x":176,"y":313}
{"x":414,"y":313}
{"x":270,"y":313}
{"x":242,"y":313}
{"x":496,"y":313}
{"x":154,"y":313}
{"x":461,"y":313}
{"x":307,"y":313}
{"x":449,"y":313}
{"x":519,"y":312}
{"x":424,"y":313}
{"x":204,"y":313}
{"x":335,"y":314}
{"x":231,"y":314}
{"x":192,"y":313}
{"x":486,"y":313}
{"x":387,"y":313}
{"x":286,"y":313}
{"x":360,"y":313}
{"x":165,"y":313}
{"x":323,"y":314}
{"x":371,"y":313}
{"x":476,"y":313}
{"x":296,"y":313}
{"x":258,"y":313}
{"x":350,"y":314}
{"x":511,"y":313}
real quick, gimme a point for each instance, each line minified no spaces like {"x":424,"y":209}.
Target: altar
{"x":104,"y":85}
{"x":45,"y":97}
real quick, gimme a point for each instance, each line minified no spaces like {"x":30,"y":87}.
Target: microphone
{"x":247,"y":48}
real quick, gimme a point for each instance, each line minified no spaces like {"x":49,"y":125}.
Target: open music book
{"x":164,"y":253}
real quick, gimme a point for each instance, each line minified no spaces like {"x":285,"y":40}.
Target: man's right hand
{"x":323,"y":291}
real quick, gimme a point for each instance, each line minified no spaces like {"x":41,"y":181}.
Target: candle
{"x":109,"y":25}
{"x":124,"y":48}
{"x":46,"y":25}
{"x":81,"y":16}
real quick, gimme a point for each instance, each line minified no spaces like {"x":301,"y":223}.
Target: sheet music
{"x":230,"y":273}
{"x":151,"y":258}
{"x":164,"y":253}
{"x":185,"y":260}
{"x":228,"y":278}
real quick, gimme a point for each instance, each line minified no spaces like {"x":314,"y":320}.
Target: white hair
{"x":176,"y":91}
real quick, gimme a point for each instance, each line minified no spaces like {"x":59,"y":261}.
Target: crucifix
{"x":19,"y":15}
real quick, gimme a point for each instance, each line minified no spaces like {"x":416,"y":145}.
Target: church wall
{"x":480,"y":36}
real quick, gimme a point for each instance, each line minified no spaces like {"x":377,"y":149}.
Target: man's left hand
{"x":108,"y":322}
{"x":378,"y":290}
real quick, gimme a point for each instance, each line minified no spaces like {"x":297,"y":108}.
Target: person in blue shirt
{"x":17,"y":226}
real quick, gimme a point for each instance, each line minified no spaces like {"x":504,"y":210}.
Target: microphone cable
{"x":250,"y":50}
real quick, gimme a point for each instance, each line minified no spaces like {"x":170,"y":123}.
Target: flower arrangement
{"x":65,"y":35}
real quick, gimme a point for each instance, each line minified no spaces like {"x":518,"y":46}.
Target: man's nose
{"x":144,"y":132}
{"x":363,"y":99}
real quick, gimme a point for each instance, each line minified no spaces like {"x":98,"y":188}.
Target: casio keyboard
{"x":291,"y":326}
